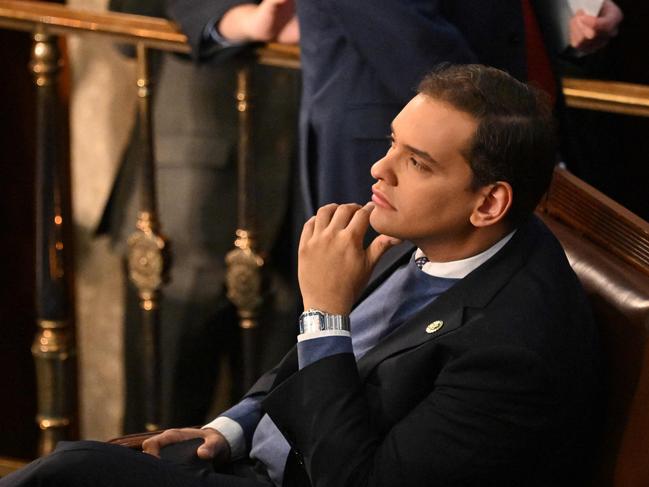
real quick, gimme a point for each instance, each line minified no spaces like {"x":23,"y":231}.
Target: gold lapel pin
{"x":434,"y":326}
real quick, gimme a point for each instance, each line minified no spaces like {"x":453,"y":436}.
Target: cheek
{"x":421,"y":210}
{"x":430,"y":214}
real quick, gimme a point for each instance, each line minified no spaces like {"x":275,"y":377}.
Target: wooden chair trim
{"x":598,"y":218}
{"x":134,"y":440}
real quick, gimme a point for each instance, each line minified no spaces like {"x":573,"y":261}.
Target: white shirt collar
{"x":458,"y":269}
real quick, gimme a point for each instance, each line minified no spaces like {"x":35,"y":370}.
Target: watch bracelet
{"x":313,"y":320}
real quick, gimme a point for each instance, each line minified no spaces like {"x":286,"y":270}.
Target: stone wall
{"x":102,"y":112}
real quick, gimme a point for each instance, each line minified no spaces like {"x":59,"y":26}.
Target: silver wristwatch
{"x":315,"y":320}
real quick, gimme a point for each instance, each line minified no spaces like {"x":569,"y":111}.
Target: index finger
{"x":361,"y":220}
{"x":153,"y":445}
{"x":343,"y":215}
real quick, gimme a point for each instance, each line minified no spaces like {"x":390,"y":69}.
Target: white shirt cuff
{"x":233,"y":434}
{"x":324,"y":333}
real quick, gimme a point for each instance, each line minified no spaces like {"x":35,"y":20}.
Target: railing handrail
{"x":61,"y":19}
{"x":610,"y":96}
{"x":127,"y":28}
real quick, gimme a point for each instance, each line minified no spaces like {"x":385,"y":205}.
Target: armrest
{"x":134,"y":440}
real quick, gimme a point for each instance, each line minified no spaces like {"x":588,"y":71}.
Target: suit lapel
{"x":448,"y":309}
{"x":476,"y":290}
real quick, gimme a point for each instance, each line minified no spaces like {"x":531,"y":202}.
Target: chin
{"x":375,"y":222}
{"x":381,"y":226}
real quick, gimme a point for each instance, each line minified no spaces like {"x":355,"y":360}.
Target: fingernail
{"x":369,"y":206}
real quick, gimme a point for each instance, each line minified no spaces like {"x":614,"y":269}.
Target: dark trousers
{"x":96,"y":464}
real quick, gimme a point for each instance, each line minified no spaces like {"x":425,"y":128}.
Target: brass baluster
{"x":54,"y":345}
{"x":148,"y":249}
{"x":244,"y":264}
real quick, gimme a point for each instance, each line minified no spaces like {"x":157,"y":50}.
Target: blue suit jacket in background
{"x":362,"y":61}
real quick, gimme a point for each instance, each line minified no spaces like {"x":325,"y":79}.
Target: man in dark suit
{"x":362,"y":60}
{"x":469,"y":361}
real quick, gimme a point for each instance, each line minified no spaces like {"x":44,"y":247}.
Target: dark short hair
{"x":515,"y":140}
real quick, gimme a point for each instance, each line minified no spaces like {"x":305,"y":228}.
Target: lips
{"x":379,"y":198}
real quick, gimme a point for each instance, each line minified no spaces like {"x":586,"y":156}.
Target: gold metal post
{"x":53,"y":348}
{"x":148,"y":248}
{"x":243,"y":263}
{"x":52,"y":351}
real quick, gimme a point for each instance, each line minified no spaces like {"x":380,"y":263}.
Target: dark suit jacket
{"x":362,"y":61}
{"x":504,"y":393}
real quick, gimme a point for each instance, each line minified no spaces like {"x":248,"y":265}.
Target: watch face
{"x":311,"y":320}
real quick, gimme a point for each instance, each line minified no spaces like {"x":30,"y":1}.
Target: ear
{"x":493,"y":204}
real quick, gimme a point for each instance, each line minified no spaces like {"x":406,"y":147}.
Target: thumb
{"x":379,"y":246}
{"x":208,"y":449}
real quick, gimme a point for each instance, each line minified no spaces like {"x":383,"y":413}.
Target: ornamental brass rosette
{"x":147,"y":259}
{"x":243,"y":278}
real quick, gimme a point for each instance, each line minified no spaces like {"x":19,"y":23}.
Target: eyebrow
{"x":423,"y":154}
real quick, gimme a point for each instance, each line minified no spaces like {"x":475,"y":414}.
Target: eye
{"x":391,"y":140}
{"x":419,"y":166}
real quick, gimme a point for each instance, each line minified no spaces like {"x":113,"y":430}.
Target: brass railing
{"x":607,"y":96}
{"x":54,"y":347}
{"x":9,"y":465}
{"x":54,"y":344}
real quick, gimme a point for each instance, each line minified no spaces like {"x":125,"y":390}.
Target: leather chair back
{"x":608,"y":247}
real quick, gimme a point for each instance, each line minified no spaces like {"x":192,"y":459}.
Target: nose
{"x":383,"y":170}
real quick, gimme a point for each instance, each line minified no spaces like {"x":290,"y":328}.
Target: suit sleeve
{"x":479,"y":421}
{"x":401,"y":39}
{"x":195,"y":16}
